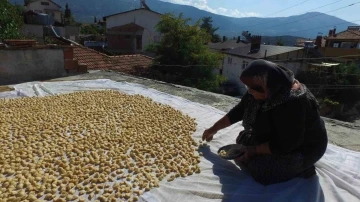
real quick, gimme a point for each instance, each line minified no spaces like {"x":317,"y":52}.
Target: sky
{"x":266,"y":8}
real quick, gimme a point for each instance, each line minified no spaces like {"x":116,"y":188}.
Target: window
{"x":229,"y":60}
{"x":336,"y":45}
{"x":45,"y":3}
{"x":244,"y":64}
{"x":358,"y":46}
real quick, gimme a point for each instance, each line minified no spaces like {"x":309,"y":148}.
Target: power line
{"x":287,"y":8}
{"x":332,"y":25}
{"x":313,"y":16}
{"x":284,"y":9}
{"x":305,"y":11}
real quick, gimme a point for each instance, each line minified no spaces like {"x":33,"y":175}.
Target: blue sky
{"x":263,"y":8}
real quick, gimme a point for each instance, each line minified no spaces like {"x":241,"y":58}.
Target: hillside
{"x":84,"y":12}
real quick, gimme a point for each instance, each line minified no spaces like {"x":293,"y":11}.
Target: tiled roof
{"x":270,"y":50}
{"x":229,"y":44}
{"x":98,"y":61}
{"x":347,"y":34}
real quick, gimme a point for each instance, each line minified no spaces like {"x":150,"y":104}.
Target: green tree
{"x":334,"y":86}
{"x":10,"y":21}
{"x":345,"y":75}
{"x":182,"y":57}
{"x":216,"y":38}
{"x":208,"y":27}
{"x":92,"y":29}
{"x":68,"y":18}
{"x":279,"y":42}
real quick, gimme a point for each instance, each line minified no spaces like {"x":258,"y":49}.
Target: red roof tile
{"x":98,"y":61}
{"x":347,"y":34}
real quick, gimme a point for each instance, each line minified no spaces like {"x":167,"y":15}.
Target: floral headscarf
{"x":277,"y":82}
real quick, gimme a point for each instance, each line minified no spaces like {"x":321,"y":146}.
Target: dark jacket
{"x":294,"y":126}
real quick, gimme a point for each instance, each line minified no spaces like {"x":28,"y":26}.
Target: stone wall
{"x":19,"y":65}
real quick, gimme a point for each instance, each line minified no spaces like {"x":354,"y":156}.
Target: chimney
{"x":334,"y":31}
{"x":318,"y":41}
{"x":331,"y":32}
{"x":255,"y":44}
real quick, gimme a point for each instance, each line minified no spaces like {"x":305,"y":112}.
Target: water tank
{"x":32,"y":17}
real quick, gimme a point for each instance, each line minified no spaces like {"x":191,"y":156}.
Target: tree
{"x":216,"y":38}
{"x":208,"y":27}
{"x":334,"y":86}
{"x":92,"y":29}
{"x":224,"y":38}
{"x":68,"y":18}
{"x":182,"y":57}
{"x":345,"y":75}
{"x":10,"y":21}
{"x":238,"y":39}
{"x":279,"y":41}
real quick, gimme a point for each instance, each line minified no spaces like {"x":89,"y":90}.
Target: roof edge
{"x":48,"y":0}
{"x":104,"y":18}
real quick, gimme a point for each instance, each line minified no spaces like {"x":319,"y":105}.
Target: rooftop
{"x":229,"y":44}
{"x":104,"y":18}
{"x":268,"y":50}
{"x":98,"y":61}
{"x":340,"y":133}
{"x":48,"y":0}
{"x":347,"y":34}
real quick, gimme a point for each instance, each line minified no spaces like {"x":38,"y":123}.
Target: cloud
{"x":203,"y":5}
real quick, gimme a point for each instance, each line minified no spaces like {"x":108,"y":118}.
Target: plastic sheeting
{"x":220,"y":180}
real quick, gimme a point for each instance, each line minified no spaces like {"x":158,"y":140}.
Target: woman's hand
{"x":208,"y":134}
{"x":249,"y":151}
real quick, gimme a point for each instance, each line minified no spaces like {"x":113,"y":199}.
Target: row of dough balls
{"x":93,"y":145}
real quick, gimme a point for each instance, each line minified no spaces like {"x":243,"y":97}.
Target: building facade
{"x":344,"y":46}
{"x":132,"y":31}
{"x":45,"y":6}
{"x":236,"y":60}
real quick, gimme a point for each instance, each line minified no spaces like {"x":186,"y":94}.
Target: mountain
{"x":84,"y":11}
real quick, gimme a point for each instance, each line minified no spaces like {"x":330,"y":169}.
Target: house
{"x":131,"y":31}
{"x":44,"y":6}
{"x":349,"y":38}
{"x":237,"y":59}
{"x":43,"y":18}
{"x":344,"y":46}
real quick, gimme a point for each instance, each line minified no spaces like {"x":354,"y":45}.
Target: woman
{"x":284,"y":135}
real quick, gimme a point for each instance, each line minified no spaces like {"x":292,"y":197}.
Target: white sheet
{"x":338,"y":171}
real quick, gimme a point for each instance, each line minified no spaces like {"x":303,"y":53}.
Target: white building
{"x":132,"y":31}
{"x":44,"y":6}
{"x":237,"y":59}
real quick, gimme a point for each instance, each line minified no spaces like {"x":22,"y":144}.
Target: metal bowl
{"x":233,"y":151}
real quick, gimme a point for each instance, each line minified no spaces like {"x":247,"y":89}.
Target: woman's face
{"x":257,"y":92}
{"x":257,"y":95}
{"x":256,"y":88}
